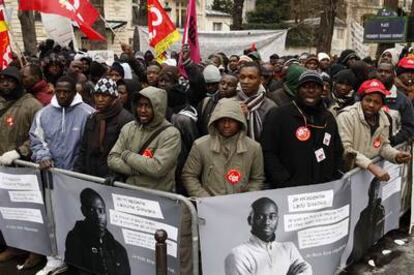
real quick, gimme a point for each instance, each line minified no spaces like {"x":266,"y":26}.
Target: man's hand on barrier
{"x":403,"y":157}
{"x":8,"y":157}
{"x":46,"y":164}
{"x":378,"y":172}
{"x":296,"y":268}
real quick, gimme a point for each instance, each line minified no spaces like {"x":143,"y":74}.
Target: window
{"x":217,"y":26}
{"x":181,"y":9}
{"x":340,"y":33}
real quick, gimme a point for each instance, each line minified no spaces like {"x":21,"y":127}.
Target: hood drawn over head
{"x":158,"y":99}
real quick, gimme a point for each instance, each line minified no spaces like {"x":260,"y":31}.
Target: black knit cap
{"x":310,"y":76}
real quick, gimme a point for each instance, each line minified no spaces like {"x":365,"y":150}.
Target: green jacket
{"x":208,"y":172}
{"x":15,"y":123}
{"x":156,"y":168}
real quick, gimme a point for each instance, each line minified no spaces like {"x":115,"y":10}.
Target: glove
{"x":8,"y":157}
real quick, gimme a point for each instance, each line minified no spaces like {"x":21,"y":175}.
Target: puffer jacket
{"x":356,"y":136}
{"x":16,"y":115}
{"x":208,"y":172}
{"x":155,"y":168}
{"x":57,"y":131}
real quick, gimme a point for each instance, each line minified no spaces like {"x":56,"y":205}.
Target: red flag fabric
{"x":6,"y":56}
{"x":80,"y":11}
{"x":162,"y":32}
{"x":190,"y":32}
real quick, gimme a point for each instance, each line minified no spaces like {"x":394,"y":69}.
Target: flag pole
{"x":110,"y":28}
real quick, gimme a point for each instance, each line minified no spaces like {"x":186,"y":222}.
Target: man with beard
{"x":397,"y":105}
{"x":90,"y":246}
{"x":262,"y":254}
{"x":300,"y":141}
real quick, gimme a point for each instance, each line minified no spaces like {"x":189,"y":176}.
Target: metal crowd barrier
{"x":172,"y":196}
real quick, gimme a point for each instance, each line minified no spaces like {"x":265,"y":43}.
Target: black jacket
{"x":93,"y":256}
{"x":291,"y":162}
{"x":92,"y":157}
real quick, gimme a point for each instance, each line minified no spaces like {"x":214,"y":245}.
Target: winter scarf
{"x":253,"y":118}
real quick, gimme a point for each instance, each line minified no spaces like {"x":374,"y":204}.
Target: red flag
{"x":6,"y":56}
{"x":162,"y":32}
{"x":190,"y":32}
{"x":80,"y":11}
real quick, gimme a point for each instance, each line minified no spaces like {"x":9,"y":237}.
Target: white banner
{"x":58,"y":28}
{"x":357,"y":38}
{"x":267,"y":42}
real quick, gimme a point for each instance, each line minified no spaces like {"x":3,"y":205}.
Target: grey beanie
{"x":211,"y":74}
{"x":310,"y":76}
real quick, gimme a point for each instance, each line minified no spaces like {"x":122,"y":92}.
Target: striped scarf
{"x":254,"y":121}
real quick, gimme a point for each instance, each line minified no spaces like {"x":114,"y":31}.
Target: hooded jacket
{"x":155,"y":168}
{"x":56,"y":132}
{"x":211,"y":171}
{"x":16,"y":115}
{"x":356,"y":136}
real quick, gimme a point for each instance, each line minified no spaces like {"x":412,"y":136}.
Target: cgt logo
{"x":72,"y":6}
{"x":157,"y":20}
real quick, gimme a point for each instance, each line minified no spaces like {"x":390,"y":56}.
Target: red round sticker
{"x":9,"y":121}
{"x":377,"y":143}
{"x":148,"y":153}
{"x":233,"y":176}
{"x":303,"y":133}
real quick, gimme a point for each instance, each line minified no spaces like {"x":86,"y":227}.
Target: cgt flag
{"x":5,"y":50}
{"x":80,"y":11}
{"x":162,"y":32}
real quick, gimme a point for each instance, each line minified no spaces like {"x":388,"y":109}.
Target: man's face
{"x":324,"y":64}
{"x":407,"y":78}
{"x":385,"y":74}
{"x":342,"y":89}
{"x":312,"y":64}
{"x":250,"y":80}
{"x":216,"y":61}
{"x":145,"y":112}
{"x":326,"y":89}
{"x":152,"y":75}
{"x":7,"y":85}
{"x":351,"y":61}
{"x":95,"y":215}
{"x":233,"y":63}
{"x":211,"y":88}
{"x":85,"y":66}
{"x":165,"y":82}
{"x":310,"y":93}
{"x":54,"y":69}
{"x":64,"y":93}
{"x":123,"y":94}
{"x":115,"y":75}
{"x":264,"y":221}
{"x":386,"y":57}
{"x":103,"y":101}
{"x":278,"y":65}
{"x":28,"y":79}
{"x":227,"y":86}
{"x":371,"y":104}
{"x":228,"y":127}
{"x":267,"y":73}
{"x":76,"y":67}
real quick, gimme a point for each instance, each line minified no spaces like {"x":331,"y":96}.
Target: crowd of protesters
{"x":231,"y":124}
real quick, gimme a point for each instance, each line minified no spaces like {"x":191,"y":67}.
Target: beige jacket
{"x":154,"y":169}
{"x":208,"y":172}
{"x":356,"y":136}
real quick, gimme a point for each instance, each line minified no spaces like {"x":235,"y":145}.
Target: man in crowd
{"x":17,"y":110}
{"x":147,"y":148}
{"x":254,"y":256}
{"x":33,"y":82}
{"x":397,"y":105}
{"x":90,"y":247}
{"x":300,"y":141}
{"x":252,"y":94}
{"x":364,"y":128}
{"x":102,"y":130}
{"x":225,"y":161}
{"x":56,"y":135}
